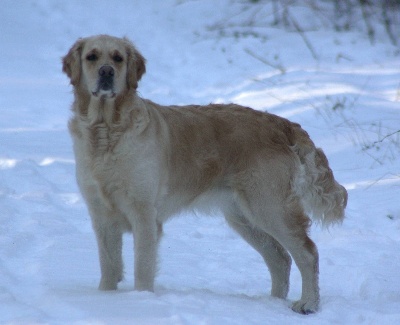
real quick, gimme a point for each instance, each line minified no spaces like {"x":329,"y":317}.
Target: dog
{"x":139,"y":163}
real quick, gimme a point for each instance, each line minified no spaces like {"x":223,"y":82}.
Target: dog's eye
{"x":92,"y":57}
{"x":118,"y":58}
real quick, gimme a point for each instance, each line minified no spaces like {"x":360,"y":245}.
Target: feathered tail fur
{"x":321,"y":195}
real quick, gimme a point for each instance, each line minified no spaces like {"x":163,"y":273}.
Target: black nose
{"x":106,"y":71}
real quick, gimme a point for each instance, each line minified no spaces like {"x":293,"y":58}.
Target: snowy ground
{"x":346,"y":98}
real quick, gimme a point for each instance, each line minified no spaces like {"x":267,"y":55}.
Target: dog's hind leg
{"x":304,"y":252}
{"x":291,"y":232}
{"x":266,"y":200}
{"x":274,"y":255}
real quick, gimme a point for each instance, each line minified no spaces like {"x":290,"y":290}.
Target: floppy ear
{"x":72,"y":62}
{"x":136,"y":65}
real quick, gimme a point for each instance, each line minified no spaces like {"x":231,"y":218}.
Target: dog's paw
{"x":106,"y":285}
{"x":305,"y":307}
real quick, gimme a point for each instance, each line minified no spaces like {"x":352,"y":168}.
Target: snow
{"x":347,"y":98}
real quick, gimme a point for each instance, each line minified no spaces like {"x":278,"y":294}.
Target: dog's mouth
{"x":105,"y":83}
{"x":105,"y":88}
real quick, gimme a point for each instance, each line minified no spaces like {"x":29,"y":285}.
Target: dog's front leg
{"x":146,"y":237}
{"x":109,"y":241}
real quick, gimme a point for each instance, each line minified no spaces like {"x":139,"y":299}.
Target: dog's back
{"x":223,"y":140}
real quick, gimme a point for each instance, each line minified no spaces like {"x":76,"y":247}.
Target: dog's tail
{"x":321,"y":195}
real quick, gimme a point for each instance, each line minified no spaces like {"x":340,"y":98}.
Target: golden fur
{"x":139,"y":163}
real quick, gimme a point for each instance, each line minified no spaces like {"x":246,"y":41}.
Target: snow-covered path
{"x":347,"y":98}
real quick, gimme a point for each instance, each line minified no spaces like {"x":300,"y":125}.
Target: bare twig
{"x":382,"y":139}
{"x":365,"y":14}
{"x":388,"y":24}
{"x":304,"y":37}
{"x":265,"y":61}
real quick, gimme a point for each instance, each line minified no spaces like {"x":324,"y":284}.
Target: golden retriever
{"x":139,"y":163}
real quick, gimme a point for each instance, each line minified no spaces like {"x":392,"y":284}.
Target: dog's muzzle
{"x":106,"y":80}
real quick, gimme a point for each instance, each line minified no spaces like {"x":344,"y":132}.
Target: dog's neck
{"x":102,"y":109}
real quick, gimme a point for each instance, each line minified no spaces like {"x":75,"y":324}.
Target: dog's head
{"x":104,"y":65}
